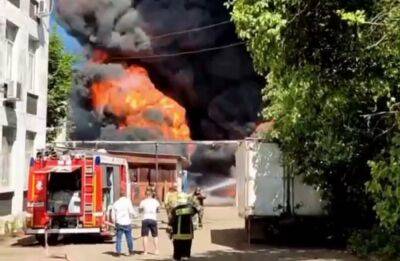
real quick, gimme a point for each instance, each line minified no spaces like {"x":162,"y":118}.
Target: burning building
{"x":140,"y":83}
{"x":163,"y":70}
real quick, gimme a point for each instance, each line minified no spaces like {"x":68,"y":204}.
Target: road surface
{"x":222,"y":238}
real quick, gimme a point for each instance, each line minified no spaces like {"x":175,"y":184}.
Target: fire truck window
{"x":116,"y":183}
{"x":109,"y":174}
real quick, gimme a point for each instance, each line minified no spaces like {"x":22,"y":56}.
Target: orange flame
{"x":134,"y":99}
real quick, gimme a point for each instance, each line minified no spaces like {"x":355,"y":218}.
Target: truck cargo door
{"x":38,"y":198}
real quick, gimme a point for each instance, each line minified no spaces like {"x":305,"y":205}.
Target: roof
{"x":139,"y":158}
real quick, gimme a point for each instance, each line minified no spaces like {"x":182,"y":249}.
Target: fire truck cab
{"x":73,"y":193}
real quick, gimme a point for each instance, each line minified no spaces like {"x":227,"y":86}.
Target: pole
{"x":156,"y":149}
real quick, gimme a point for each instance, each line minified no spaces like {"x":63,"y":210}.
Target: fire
{"x":135,"y":101}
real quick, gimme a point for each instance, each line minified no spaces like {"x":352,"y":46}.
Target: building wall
{"x":16,"y":119}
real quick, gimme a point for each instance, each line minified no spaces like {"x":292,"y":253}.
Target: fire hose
{"x":46,"y":245}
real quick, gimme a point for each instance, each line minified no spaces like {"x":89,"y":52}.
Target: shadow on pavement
{"x":30,"y":241}
{"x":233,"y":238}
{"x":271,"y":255}
{"x":62,"y":257}
{"x":111,"y":253}
{"x":85,"y":239}
{"x":114,"y":254}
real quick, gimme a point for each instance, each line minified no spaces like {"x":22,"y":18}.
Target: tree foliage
{"x":59,"y":85}
{"x":332,"y":73}
{"x":385,"y":187}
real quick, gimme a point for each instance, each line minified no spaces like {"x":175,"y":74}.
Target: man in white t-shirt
{"x":149,"y":207}
{"x":122,"y":213}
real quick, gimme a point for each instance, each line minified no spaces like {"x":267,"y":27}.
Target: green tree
{"x":59,"y":85}
{"x":332,"y":75}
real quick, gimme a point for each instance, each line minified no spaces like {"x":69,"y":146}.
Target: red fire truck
{"x":73,"y":193}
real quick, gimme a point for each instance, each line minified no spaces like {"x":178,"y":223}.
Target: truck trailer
{"x":267,"y":191}
{"x":73,"y":193}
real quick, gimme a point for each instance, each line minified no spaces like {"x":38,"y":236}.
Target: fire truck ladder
{"x":88,"y":190}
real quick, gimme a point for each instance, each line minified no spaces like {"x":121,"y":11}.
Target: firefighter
{"x":200,"y":196}
{"x":181,"y":225}
{"x":170,"y":199}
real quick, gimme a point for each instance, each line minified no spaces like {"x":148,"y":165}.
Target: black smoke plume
{"x":219,"y":89}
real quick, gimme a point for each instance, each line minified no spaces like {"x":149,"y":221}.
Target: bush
{"x":385,"y":186}
{"x":376,"y":244}
{"x":383,"y":242}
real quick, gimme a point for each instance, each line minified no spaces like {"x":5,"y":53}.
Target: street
{"x":222,"y":238}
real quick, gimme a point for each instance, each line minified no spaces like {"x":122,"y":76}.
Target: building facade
{"x":24,"y":43}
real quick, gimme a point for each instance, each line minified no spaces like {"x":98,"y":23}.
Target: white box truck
{"x":266,"y":191}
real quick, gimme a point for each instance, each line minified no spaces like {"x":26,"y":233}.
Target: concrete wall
{"x":17,"y":117}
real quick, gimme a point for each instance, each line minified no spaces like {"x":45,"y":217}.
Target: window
{"x":5,"y":203}
{"x":111,"y":181}
{"x":11,"y":34}
{"x":33,"y":7}
{"x":7,"y":141}
{"x":29,"y":153}
{"x":25,"y":201}
{"x":31,"y":103}
{"x":32,"y":47}
{"x":108,"y":173}
{"x":15,"y":2}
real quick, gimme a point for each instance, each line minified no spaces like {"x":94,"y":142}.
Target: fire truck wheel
{"x":40,"y":239}
{"x":51,"y":240}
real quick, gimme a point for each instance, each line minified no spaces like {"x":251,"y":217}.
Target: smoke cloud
{"x":219,"y":89}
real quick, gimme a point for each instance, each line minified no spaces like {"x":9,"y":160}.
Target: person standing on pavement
{"x":122,"y":214}
{"x":149,"y":207}
{"x":181,"y":225}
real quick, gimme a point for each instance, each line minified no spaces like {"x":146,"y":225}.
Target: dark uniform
{"x":181,"y":223}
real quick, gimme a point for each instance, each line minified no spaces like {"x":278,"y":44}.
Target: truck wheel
{"x":40,"y":239}
{"x":51,"y":239}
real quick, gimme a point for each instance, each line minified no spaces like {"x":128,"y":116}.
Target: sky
{"x":71,"y":44}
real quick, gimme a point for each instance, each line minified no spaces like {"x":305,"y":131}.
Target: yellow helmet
{"x":182,"y":198}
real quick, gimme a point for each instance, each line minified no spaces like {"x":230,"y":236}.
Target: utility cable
{"x":189,"y":30}
{"x":176,"y":54}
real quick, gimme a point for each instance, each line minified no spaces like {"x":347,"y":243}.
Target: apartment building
{"x":24,"y":42}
